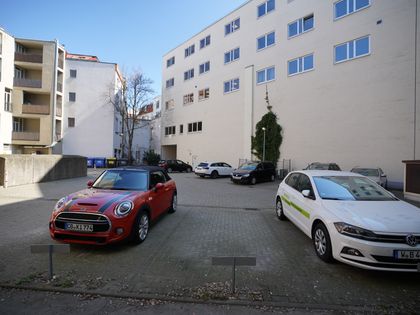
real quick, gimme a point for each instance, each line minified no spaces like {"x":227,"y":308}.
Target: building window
{"x":204,"y":67}
{"x":346,"y":7}
{"x":170,"y":130}
{"x":231,"y":85}
{"x":266,"y":40}
{"x":170,"y":83}
{"x":266,"y":75}
{"x":71,"y":122}
{"x":73,"y":73}
{"x":232,"y":26}
{"x":189,"y":51}
{"x":19,"y":73}
{"x":353,"y":49}
{"x":301,"y":64}
{"x":195,"y":127}
{"x":169,"y":104}
{"x":205,"y":42}
{"x":188,"y":98}
{"x":72,"y":97}
{"x":189,"y":74}
{"x":18,"y":124}
{"x":232,"y":55}
{"x":7,"y":100}
{"x":170,"y":62}
{"x":157,"y":104}
{"x":204,"y":94}
{"x":181,"y":129}
{"x":266,"y":7}
{"x":300,"y":26}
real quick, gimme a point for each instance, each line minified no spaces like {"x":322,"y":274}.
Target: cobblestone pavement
{"x":214,"y":218}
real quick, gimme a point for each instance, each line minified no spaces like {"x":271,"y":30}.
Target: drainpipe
{"x":415,"y":81}
{"x":54,"y":93}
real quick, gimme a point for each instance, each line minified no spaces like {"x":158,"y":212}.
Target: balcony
{"x":57,"y":137}
{"x":58,"y":111}
{"x":60,"y":63}
{"x":25,"y":136}
{"x":35,"y":109}
{"x":59,"y":87}
{"x":27,"y":57}
{"x":29,"y":83}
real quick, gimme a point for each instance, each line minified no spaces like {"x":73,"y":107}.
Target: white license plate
{"x":79,"y":227}
{"x":407,"y":254}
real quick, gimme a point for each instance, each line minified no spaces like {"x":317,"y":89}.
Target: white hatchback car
{"x":213,"y":169}
{"x":351,"y":219}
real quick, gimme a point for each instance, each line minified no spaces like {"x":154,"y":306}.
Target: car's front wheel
{"x":174,"y":204}
{"x":279,"y":210}
{"x":140,"y":227}
{"x":322,"y":242}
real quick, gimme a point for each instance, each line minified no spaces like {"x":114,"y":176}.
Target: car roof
{"x":326,"y":173}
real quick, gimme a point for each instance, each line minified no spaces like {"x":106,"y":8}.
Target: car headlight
{"x":245,"y":175}
{"x":60,"y":204}
{"x":123,"y":208}
{"x":354,"y":231}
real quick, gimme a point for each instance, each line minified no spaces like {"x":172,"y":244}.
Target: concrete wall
{"x":26,"y":169}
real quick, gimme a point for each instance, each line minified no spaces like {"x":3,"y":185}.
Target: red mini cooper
{"x":118,"y":205}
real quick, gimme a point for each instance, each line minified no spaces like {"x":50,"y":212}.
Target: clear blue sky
{"x":133,"y":33}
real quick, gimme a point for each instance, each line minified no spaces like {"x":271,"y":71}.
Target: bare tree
{"x":136,"y":92}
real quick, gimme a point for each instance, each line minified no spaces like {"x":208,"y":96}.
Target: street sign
{"x":50,"y":249}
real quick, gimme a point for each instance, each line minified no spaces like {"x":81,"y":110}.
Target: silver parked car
{"x":374,"y":173}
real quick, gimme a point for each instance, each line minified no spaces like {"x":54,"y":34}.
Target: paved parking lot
{"x":214,"y":218}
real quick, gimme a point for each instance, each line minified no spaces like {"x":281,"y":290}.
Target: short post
{"x":234,"y":261}
{"x":50,"y":249}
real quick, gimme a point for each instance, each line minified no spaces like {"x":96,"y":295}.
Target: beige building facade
{"x":342,"y":77}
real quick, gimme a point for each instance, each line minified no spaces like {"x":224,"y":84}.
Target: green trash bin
{"x":111,"y":162}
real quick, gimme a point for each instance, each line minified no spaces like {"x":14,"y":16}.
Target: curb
{"x":283,"y":305}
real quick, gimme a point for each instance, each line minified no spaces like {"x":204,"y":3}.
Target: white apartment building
{"x":152,"y":112}
{"x":92,"y":127}
{"x":342,"y":77}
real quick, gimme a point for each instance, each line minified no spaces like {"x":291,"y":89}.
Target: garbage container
{"x":90,"y":162}
{"x":111,"y":162}
{"x":99,"y":162}
{"x":122,"y":162}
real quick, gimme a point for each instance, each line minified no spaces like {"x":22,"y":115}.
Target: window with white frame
{"x":169,"y":104}
{"x":204,"y":42}
{"x":266,"y":75}
{"x":266,"y":40}
{"x":170,"y":62}
{"x":266,"y":7}
{"x":72,"y":97}
{"x":7,"y":100}
{"x":352,"y":49}
{"x":18,"y":124}
{"x":231,"y":85}
{"x":345,"y":7}
{"x":171,"y":130}
{"x":71,"y":122}
{"x":204,"y":94}
{"x":189,"y":51}
{"x":189,"y":74}
{"x":204,"y":67}
{"x":195,"y":127}
{"x":170,"y":83}
{"x":301,"y":64}
{"x":232,"y":55}
{"x":232,"y":26}
{"x":188,"y":98}
{"x":301,"y":25}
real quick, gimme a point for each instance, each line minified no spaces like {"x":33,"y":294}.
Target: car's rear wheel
{"x":169,"y":170}
{"x":174,"y":204}
{"x":253,"y":180}
{"x":214,"y":174}
{"x":279,"y":210}
{"x":322,"y":242}
{"x":141,"y":227}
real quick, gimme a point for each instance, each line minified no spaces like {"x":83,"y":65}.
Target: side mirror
{"x":383,"y":175}
{"x":90,"y":183}
{"x":158,"y":186}
{"x":307,"y":194}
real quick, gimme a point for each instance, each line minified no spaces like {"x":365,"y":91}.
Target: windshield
{"x":373,"y":172}
{"x":122,"y":180}
{"x":350,"y":188}
{"x":248,"y":167}
{"x":318,"y":166}
{"x":202,"y":164}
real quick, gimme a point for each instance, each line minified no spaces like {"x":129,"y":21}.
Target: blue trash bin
{"x":90,"y":162}
{"x":99,"y":162}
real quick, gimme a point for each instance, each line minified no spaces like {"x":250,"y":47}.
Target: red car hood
{"x":97,"y":200}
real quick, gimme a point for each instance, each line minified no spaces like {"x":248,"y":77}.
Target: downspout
{"x":415,"y":81}
{"x":54,"y":96}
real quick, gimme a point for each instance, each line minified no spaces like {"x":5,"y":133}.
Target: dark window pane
{"x":271,"y":5}
{"x":340,"y":8}
{"x":308,"y":23}
{"x":341,"y":52}
{"x":200,"y":126}
{"x":270,"y":39}
{"x":362,"y":46}
{"x":308,"y":62}
{"x":261,"y":42}
{"x":361,"y":4}
{"x":261,"y":10}
{"x":293,"y":66}
{"x":293,"y":29}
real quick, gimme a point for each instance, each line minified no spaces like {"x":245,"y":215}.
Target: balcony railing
{"x":27,"y":83}
{"x":58,"y":111}
{"x":35,"y":109}
{"x":26,"y":136}
{"x":35,"y":58}
{"x":59,"y":87}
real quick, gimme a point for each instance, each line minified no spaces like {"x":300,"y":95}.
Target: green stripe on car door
{"x":296,"y":207}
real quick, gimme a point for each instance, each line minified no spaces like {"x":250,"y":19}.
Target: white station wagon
{"x":213,"y":169}
{"x":352,"y":219}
